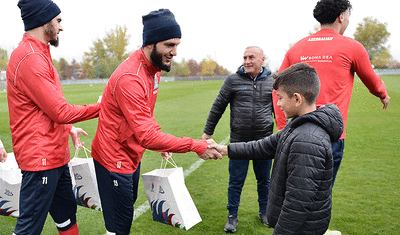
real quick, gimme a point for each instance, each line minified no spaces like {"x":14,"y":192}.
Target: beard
{"x":51,"y":33}
{"x":157,"y":60}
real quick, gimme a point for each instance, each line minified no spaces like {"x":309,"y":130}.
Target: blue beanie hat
{"x":159,"y":26}
{"x":36,"y":13}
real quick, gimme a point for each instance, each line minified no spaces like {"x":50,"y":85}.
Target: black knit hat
{"x":159,"y":26}
{"x":36,"y":13}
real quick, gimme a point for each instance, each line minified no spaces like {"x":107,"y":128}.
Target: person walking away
{"x":336,"y":58}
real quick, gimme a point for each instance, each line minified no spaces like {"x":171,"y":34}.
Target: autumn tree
{"x":3,"y":59}
{"x":177,"y":69}
{"x":61,"y":67}
{"x":194,"y":67}
{"x":106,"y":54}
{"x":373,"y":35}
{"x":208,"y":67}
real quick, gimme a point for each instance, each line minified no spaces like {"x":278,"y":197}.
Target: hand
{"x":206,"y":136}
{"x":166,"y":155}
{"x":385,"y":102}
{"x":75,"y":132}
{"x":3,"y":155}
{"x":210,"y":153}
{"x":223,"y":150}
{"x":211,"y":142}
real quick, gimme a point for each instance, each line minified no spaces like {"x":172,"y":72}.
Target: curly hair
{"x":326,"y":11}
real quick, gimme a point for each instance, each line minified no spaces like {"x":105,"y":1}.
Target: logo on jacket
{"x":317,"y":58}
{"x":318,"y":39}
{"x":156,"y":85}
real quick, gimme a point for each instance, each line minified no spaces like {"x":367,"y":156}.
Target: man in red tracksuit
{"x":40,"y":122}
{"x":127,"y":126}
{"x":336,"y":58}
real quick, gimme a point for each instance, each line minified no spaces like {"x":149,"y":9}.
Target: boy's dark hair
{"x":299,"y":78}
{"x":326,"y":11}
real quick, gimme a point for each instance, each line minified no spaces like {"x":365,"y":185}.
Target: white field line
{"x":145,"y":206}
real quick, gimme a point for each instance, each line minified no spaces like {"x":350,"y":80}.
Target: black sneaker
{"x":231,"y":223}
{"x":263,"y":218}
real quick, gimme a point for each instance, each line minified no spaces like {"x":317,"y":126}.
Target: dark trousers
{"x":337,"y":151}
{"x":237,"y":176}
{"x":43,"y":192}
{"x":118,"y":193}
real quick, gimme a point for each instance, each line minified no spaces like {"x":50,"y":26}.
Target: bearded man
{"x":127,"y":126}
{"x":40,"y":122}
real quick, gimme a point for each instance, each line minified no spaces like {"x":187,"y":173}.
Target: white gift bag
{"x":169,"y":199}
{"x":10,"y":185}
{"x":84,"y":181}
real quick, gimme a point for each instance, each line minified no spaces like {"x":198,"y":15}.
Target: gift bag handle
{"x":85,"y":149}
{"x":170,"y":161}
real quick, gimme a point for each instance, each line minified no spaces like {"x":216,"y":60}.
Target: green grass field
{"x":366,"y":196}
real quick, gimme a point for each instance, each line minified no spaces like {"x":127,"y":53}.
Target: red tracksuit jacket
{"x":126,"y":123}
{"x":40,"y":116}
{"x":335,"y":58}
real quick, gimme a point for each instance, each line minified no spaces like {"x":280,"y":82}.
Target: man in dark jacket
{"x":249,"y":92}
{"x":300,"y":198}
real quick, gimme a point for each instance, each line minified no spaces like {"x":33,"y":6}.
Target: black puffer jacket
{"x":300,"y":194}
{"x":250,"y":103}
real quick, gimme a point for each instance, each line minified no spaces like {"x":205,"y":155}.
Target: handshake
{"x":214,"y":150}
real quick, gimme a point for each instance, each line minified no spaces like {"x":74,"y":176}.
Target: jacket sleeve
{"x":305,"y":170}
{"x":366,"y":73}
{"x":263,"y":149}
{"x":130,"y":93}
{"x":36,"y":80}
{"x":218,"y":108}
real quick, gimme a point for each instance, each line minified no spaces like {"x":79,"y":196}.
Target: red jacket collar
{"x":37,"y":45}
{"x":149,"y":66}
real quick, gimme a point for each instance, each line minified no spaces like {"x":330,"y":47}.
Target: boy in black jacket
{"x":300,"y":197}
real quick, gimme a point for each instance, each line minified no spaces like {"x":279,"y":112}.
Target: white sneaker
{"x":109,"y":233}
{"x":330,"y":232}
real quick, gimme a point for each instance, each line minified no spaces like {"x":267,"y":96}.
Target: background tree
{"x":177,"y":69}
{"x":63,"y":68}
{"x":394,"y":64}
{"x":220,"y":70}
{"x":194,"y":67}
{"x":3,"y":59}
{"x":373,"y":35}
{"x":57,"y":66}
{"x":208,"y":67}
{"x":106,"y":54}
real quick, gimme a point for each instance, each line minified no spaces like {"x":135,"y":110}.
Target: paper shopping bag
{"x":169,"y":198}
{"x":84,"y":182}
{"x":10,"y":185}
